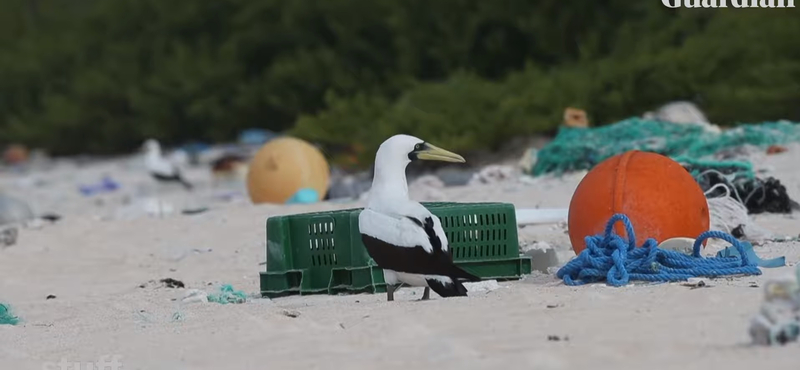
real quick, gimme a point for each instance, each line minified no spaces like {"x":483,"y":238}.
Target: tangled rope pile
{"x":729,"y":215}
{"x":617,"y":261}
{"x":737,"y":179}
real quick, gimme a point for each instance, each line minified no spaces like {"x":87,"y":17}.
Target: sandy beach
{"x":102,"y":261}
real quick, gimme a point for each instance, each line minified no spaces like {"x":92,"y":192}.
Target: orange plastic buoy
{"x":658,"y":195}
{"x":282,"y":167}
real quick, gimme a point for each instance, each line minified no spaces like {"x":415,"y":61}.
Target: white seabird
{"x":401,"y":235}
{"x":161,"y":169}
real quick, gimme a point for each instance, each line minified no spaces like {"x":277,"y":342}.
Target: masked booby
{"x":402,"y":236}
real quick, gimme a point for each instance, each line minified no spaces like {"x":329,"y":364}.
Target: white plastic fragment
{"x":683,"y":245}
{"x":527,"y":216}
{"x":482,"y":286}
{"x":696,"y":283}
{"x":195,"y":295}
{"x":778,"y":320}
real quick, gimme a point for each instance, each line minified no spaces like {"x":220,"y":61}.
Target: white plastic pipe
{"x":541,"y":215}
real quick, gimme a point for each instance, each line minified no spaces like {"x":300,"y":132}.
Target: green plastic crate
{"x":322,"y":252}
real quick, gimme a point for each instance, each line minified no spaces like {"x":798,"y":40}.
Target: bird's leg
{"x":426,"y":295}
{"x":390,"y":292}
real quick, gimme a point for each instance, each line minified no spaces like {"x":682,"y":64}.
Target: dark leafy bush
{"x":101,"y":76}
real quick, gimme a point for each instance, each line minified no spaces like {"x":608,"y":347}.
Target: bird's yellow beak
{"x":432,"y":153}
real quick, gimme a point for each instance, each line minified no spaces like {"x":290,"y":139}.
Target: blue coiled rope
{"x":610,"y":258}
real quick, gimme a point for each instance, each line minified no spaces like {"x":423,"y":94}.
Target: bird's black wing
{"x":414,"y":259}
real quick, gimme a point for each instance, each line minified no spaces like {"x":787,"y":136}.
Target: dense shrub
{"x":100,"y":76}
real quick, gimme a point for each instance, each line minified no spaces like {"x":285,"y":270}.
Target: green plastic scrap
{"x":228,"y":295}
{"x":6,"y":318}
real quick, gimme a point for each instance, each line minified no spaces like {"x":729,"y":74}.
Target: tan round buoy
{"x":282,"y":167}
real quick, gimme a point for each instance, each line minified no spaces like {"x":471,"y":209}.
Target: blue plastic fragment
{"x":256,"y":136}
{"x":304,"y":196}
{"x":751,"y":254}
{"x":106,"y":185}
{"x":194,"y":147}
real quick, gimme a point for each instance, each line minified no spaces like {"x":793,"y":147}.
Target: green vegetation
{"x":100,"y":76}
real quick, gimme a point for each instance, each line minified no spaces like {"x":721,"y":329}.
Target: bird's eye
{"x":418,"y":147}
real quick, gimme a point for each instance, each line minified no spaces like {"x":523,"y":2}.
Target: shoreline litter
{"x":611,"y":259}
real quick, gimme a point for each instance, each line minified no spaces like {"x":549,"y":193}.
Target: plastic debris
{"x":228,"y":295}
{"x":256,"y":136}
{"x":610,"y":258}
{"x":528,"y":216}
{"x":583,"y":148}
{"x":528,"y":161}
{"x":729,"y":215}
{"x":681,"y":112}
{"x":778,"y":320}
{"x":776,"y":149}
{"x":8,"y":237}
{"x":574,"y":117}
{"x":543,"y":256}
{"x":482,"y":286}
{"x":695,"y":283}
{"x":15,"y":154}
{"x":178,"y":316}
{"x":6,"y":318}
{"x":105,"y":185}
{"x":195,"y":295}
{"x":304,"y":196}
{"x":683,"y":245}
{"x":737,"y":180}
{"x":751,"y":255}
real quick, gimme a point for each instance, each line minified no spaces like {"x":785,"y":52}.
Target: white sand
{"x":95,"y":259}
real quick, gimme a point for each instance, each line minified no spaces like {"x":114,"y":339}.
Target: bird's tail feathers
{"x":460,"y":289}
{"x":460,"y":274}
{"x":449,"y":287}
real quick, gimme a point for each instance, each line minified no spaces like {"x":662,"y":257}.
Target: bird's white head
{"x":399,"y":150}
{"x":395,"y":154}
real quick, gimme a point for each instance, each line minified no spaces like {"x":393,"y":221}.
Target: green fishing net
{"x":583,"y":148}
{"x":6,"y":318}
{"x":228,"y":295}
